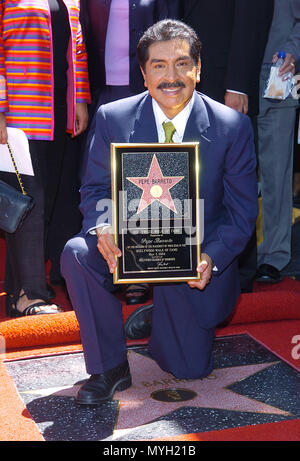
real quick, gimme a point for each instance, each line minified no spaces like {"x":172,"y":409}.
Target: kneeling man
{"x":185,"y":314}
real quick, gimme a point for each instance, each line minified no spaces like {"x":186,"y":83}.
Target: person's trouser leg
{"x":98,"y":311}
{"x":66,"y":218}
{"x":178,"y":342}
{"x":184,"y":321}
{"x":25,"y":266}
{"x":275,"y":152}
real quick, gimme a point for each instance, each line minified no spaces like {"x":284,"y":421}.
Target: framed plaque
{"x":156,"y":211}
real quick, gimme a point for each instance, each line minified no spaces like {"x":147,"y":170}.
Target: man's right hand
{"x":236,"y":101}
{"x":107,"y":247}
{"x":3,"y":130}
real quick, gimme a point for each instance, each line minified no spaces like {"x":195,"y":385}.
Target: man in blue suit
{"x":112,"y":29}
{"x":185,"y":314}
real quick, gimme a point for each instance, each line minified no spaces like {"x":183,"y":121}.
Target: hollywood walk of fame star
{"x":155,"y":186}
{"x":137,"y":406}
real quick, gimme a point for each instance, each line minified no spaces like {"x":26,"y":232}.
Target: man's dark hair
{"x":163,"y":31}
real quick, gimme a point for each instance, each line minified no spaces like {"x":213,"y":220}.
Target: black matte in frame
{"x":137,"y":153}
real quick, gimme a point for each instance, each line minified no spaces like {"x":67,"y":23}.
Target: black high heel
{"x":10,"y":306}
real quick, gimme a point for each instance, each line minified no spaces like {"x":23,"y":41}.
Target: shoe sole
{"x":132,"y":317}
{"x":121,"y":385}
{"x":137,"y":299}
{"x":263,"y":280}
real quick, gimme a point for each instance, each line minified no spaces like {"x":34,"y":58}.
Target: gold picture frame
{"x":156,"y":211}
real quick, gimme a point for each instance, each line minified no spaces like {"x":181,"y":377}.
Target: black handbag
{"x":14,"y":205}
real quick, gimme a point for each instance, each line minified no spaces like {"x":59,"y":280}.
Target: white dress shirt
{"x":179,"y":121}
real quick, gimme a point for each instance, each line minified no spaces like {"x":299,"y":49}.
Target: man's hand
{"x":107,"y":247}
{"x":82,"y":118}
{"x":205,"y":269}
{"x":237,"y":101}
{"x":288,"y":64}
{"x":3,"y":130}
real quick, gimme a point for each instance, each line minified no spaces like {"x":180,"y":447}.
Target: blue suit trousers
{"x":179,"y":343}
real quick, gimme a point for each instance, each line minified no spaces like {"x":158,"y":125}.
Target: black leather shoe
{"x":268,"y":274}
{"x":137,"y":293}
{"x":139,"y":323}
{"x":100,"y":388}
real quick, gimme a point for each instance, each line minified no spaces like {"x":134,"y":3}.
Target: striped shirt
{"x":26,"y":66}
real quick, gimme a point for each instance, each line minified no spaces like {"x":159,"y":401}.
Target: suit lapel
{"x":144,"y":127}
{"x":198,"y":121}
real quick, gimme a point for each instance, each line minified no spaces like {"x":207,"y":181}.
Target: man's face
{"x":171,"y":74}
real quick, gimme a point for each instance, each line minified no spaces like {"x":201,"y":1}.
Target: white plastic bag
{"x":278,"y":87}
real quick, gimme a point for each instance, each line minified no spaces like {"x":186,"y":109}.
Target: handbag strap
{"x":16,"y":170}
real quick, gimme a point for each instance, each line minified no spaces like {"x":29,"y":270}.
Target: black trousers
{"x":247,"y":260}
{"x":55,"y":217}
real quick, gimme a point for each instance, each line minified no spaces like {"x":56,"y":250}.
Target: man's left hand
{"x":82,"y":118}
{"x":237,"y":101}
{"x":287,"y":66}
{"x":205,"y":269}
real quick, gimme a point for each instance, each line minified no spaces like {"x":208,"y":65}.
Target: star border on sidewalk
{"x":137,"y":408}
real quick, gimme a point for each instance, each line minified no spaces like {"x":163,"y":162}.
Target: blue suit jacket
{"x":228,"y":181}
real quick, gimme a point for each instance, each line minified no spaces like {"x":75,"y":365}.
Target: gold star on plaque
{"x":155,"y":186}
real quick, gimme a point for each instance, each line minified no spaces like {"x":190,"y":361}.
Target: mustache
{"x":165,"y":85}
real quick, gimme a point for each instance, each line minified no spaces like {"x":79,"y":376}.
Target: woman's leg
{"x":25,"y":266}
{"x":26,"y":248}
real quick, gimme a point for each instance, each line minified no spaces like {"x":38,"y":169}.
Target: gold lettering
{"x":146,"y":384}
{"x":157,"y":383}
{"x":174,"y":395}
{"x":211,"y":377}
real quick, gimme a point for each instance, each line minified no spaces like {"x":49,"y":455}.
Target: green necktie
{"x":169,"y":130}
